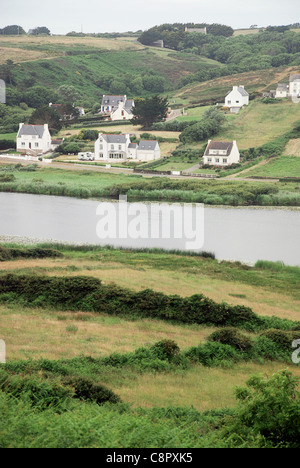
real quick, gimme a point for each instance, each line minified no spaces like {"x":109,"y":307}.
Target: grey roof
{"x":132,"y":145}
{"x":112,"y":100}
{"x":36,"y":130}
{"x":294,"y":76}
{"x":241,"y":90}
{"x":282,"y":86}
{"x":148,"y":145}
{"x":114,"y":138}
{"x":219,"y":145}
{"x":129,"y":104}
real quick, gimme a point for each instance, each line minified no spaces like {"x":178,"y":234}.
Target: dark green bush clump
{"x":88,"y":294}
{"x":11,"y":253}
{"x":86,"y":389}
{"x":232,"y":337}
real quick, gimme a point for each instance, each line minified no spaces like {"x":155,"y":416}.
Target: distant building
{"x":294,"y":86}
{"x":282,"y":90}
{"x":196,"y":30}
{"x":237,"y":98}
{"x":291,"y":89}
{"x":34,"y":139}
{"x":221,"y":153}
{"x":158,"y":43}
{"x":109,"y":147}
{"x":117,"y":107}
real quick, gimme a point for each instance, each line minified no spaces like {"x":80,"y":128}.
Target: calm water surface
{"x":244,"y":234}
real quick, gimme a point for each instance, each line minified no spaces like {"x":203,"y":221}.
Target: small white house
{"x":119,"y":147}
{"x":237,"y":98}
{"x":282,"y":90}
{"x":221,"y":153}
{"x":117,"y":107}
{"x":34,"y":139}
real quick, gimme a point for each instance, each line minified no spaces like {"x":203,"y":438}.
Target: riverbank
{"x":87,"y":184}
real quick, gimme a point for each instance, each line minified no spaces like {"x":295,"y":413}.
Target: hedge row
{"x":88,"y":294}
{"x":11,"y":253}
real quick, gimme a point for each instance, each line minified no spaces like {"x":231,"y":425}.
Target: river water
{"x":244,"y":234}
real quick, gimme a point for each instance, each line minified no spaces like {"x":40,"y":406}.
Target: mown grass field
{"x":284,"y":166}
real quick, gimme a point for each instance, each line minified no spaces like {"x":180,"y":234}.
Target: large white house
{"x":111,"y":147}
{"x":117,"y":107}
{"x":34,"y":139}
{"x":237,"y":98}
{"x":221,"y":153}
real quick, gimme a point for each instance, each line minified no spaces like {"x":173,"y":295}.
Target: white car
{"x":86,"y":156}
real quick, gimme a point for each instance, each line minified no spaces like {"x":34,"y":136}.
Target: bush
{"x":166,"y":349}
{"x":232,"y":337}
{"x":7,"y":178}
{"x":270,"y":408}
{"x":86,"y":389}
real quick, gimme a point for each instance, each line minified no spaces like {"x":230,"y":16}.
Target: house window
{"x":101,"y":155}
{"x":120,"y":147}
{"x":209,"y":160}
{"x":225,"y":160}
{"x":23,"y":143}
{"x":229,"y":102}
{"x":217,"y":160}
{"x":101,"y":147}
{"x":36,"y":145}
{"x":112,"y":147}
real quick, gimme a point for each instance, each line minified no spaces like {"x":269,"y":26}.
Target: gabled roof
{"x":148,"y":145}
{"x":282,"y":86}
{"x":129,"y":104}
{"x":111,"y":138}
{"x":132,"y":145}
{"x":219,"y":145}
{"x":241,"y":90}
{"x":110,"y":100}
{"x":31,"y":130}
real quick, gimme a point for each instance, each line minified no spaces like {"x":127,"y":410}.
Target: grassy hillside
{"x":179,"y":400}
{"x":216,"y":89}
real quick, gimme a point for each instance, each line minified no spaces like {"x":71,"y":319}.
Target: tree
{"x":46,"y":115}
{"x":13,"y":30}
{"x":68,"y":93}
{"x":41,"y":30}
{"x":150,"y":110}
{"x":38,"y":96}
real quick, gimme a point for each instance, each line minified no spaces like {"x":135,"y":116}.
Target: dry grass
{"x":20,"y":55}
{"x":292,"y":148}
{"x":35,"y":333}
{"x":201,"y":387}
{"x":262,"y":301}
{"x":89,"y":42}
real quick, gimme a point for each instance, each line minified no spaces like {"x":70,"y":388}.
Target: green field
{"x":283,"y":166}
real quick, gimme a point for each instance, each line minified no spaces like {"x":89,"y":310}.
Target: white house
{"x":282,"y":90}
{"x":110,"y":147}
{"x":34,"y":139}
{"x":294,"y":86}
{"x":117,"y":107}
{"x":237,"y":98}
{"x":291,"y":89}
{"x":221,"y":153}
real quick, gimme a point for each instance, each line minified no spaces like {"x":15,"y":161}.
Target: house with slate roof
{"x":221,"y":153}
{"x":117,"y":107}
{"x":34,"y":139}
{"x":237,"y":98}
{"x":109,"y":147}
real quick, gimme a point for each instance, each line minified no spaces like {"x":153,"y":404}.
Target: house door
{"x":29,"y":145}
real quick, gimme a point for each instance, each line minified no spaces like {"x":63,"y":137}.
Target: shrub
{"x":86,"y":389}
{"x":232,"y":337}
{"x":7,"y":178}
{"x":270,"y":408}
{"x":166,"y":349}
{"x":283,"y":339}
